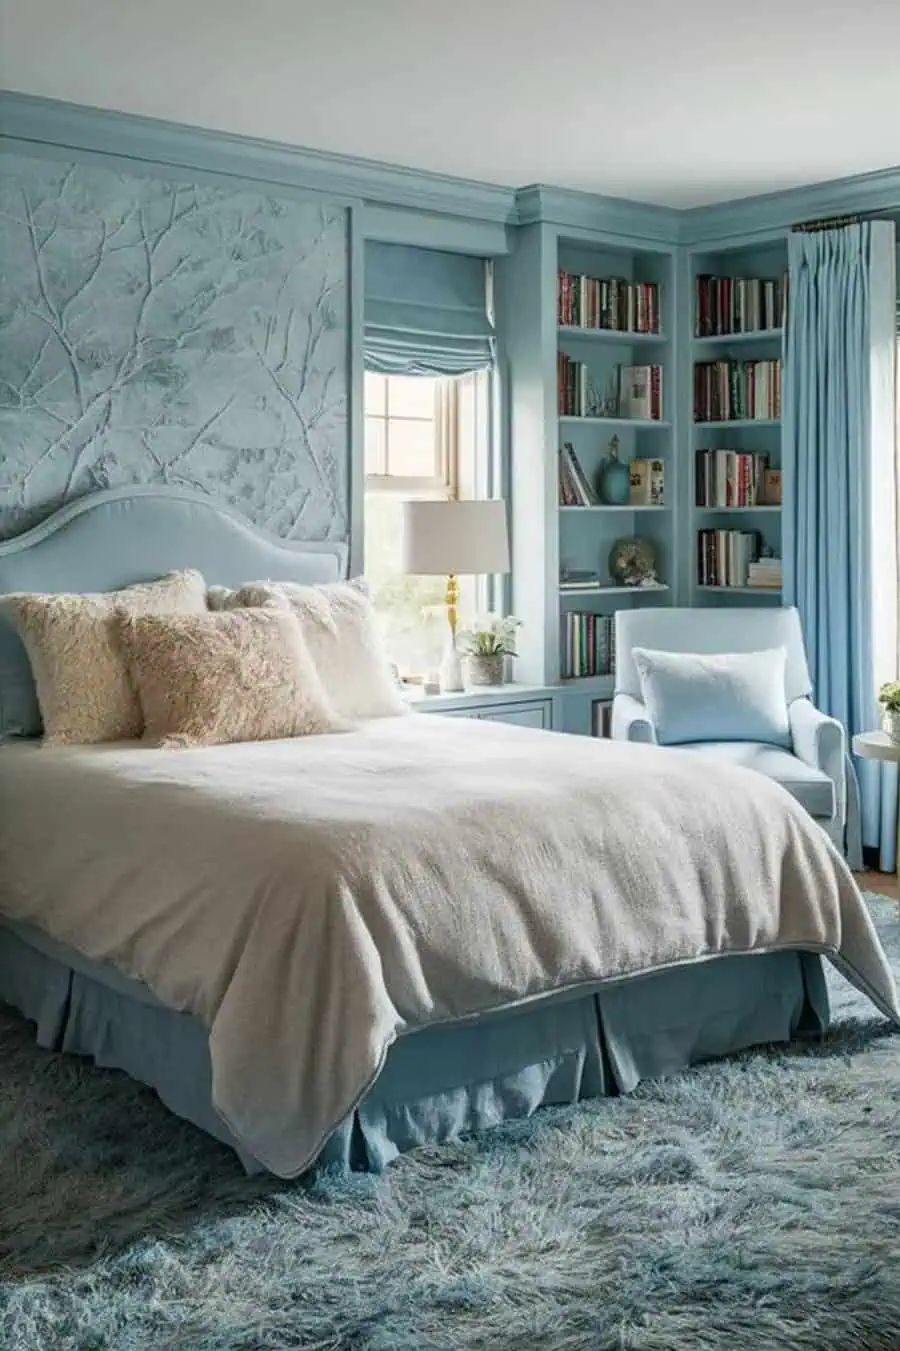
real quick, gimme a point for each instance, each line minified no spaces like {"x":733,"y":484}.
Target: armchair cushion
{"x":812,"y":788}
{"x":715,"y":696}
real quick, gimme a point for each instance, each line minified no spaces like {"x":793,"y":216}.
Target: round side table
{"x":876,"y":746}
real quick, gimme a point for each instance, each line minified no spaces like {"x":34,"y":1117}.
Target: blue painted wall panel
{"x":161,"y":331}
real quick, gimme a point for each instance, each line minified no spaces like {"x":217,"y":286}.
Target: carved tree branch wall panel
{"x":166,"y":332}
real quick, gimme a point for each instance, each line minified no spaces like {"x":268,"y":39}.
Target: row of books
{"x":735,"y":478}
{"x":574,"y":488}
{"x":738,"y":304}
{"x":588,"y":645}
{"x":638,"y":391}
{"x":607,"y":302}
{"x":727,"y":391}
{"x":646,"y":480}
{"x":732,"y":558}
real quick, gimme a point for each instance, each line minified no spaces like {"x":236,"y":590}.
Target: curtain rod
{"x":829,"y":223}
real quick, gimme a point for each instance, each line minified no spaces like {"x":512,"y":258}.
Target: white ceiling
{"x":681,"y":102}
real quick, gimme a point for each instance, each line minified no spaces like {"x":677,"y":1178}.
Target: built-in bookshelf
{"x":615,"y":401}
{"x":733,"y":510}
{"x":610,"y":356}
{"x":589,"y":324}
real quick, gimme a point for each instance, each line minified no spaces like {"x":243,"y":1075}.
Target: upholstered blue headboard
{"x":111,"y":539}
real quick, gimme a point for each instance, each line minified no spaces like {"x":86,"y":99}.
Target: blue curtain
{"x":426,"y":311}
{"x":826,"y":513}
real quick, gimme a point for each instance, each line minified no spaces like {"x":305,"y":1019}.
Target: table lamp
{"x":446,"y":539}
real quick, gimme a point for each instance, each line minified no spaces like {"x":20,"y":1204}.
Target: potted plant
{"x":889,"y":698}
{"x":486,"y":644}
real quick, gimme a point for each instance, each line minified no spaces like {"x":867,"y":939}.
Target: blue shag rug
{"x":748,"y":1205}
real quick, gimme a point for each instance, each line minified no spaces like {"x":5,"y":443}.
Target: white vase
{"x":890,"y":723}
{"x":451,"y":670}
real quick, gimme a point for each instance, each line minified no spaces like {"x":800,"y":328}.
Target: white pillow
{"x":715,"y":696}
{"x":341,"y":631}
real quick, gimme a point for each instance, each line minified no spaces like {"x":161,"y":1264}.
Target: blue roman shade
{"x":426,"y":312}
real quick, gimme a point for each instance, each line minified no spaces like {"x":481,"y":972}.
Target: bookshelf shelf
{"x":645,"y":424}
{"x":601,"y":686}
{"x":613,"y":590}
{"x":743,"y":590}
{"x":621,"y":337}
{"x":742,"y":422}
{"x":626,"y":510}
{"x":729,"y":339}
{"x":733,"y":511}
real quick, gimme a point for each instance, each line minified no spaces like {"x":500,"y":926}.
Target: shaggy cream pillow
{"x":341,"y":630}
{"x":212,"y":678}
{"x":79,"y":670}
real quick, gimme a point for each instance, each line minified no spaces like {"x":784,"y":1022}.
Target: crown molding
{"x":50,"y":125}
{"x":27,"y":119}
{"x":771,"y":213}
{"x":567,"y":208}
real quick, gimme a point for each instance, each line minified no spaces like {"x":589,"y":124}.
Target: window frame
{"x":444,"y":484}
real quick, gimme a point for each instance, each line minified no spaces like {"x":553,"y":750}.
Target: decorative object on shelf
{"x":646,"y":483}
{"x":889,"y":699}
{"x":772,"y":487}
{"x":632,"y":562}
{"x":613,"y":479}
{"x":445,"y":539}
{"x":640,"y":393}
{"x":485,"y":645}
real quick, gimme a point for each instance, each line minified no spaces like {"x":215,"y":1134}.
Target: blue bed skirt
{"x":440,"y":1082}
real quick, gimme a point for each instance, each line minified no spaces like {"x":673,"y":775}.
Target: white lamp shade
{"x":455,"y":538}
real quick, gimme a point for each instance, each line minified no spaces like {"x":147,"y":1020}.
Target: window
{"x":425,"y":436}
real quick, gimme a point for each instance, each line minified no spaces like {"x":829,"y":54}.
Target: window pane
{"x":412,"y":396}
{"x":375,"y":393}
{"x":376,"y":447}
{"x":412,"y":449}
{"x":415,"y":633}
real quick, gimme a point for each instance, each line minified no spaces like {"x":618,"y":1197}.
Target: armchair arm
{"x":630,"y":721}
{"x":820,"y":741}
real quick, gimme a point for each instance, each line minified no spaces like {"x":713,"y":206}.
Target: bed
{"x":104,"y":943}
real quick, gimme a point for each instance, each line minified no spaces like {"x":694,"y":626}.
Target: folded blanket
{"x":312,"y":900}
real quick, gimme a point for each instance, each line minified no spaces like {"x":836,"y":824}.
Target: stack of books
{"x":724,"y":557}
{"x":729,"y":478}
{"x":588,"y":645}
{"x":731,"y":391}
{"x":640,"y":392}
{"x":574,"y":488}
{"x":573,"y":580}
{"x":607,"y":302}
{"x":576,"y":396}
{"x":738,"y":305}
{"x":765,"y":573}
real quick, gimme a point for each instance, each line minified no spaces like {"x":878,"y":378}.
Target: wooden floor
{"x":886,"y":884}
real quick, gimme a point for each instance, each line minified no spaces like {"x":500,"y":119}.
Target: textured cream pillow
{"x":341,"y":630}
{"x":79,"y":670}
{"x":212,"y":678}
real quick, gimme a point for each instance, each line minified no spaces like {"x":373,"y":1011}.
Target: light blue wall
{"x":158,"y":330}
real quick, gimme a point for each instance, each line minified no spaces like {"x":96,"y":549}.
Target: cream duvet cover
{"x":312,"y":900}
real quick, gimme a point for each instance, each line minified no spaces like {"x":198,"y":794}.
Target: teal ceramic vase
{"x":613,"y":480}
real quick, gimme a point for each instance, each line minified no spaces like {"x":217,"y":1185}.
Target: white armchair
{"x":813,"y":771}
